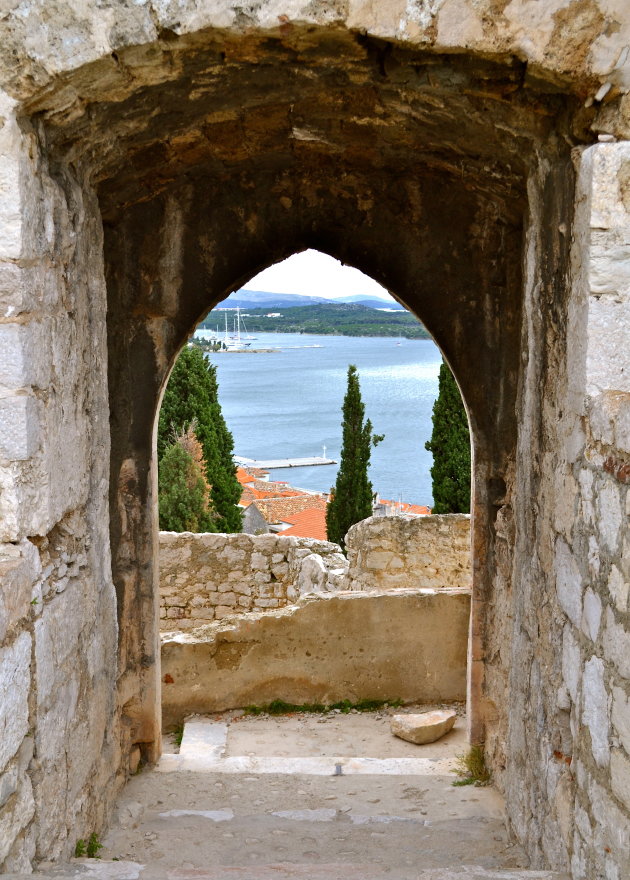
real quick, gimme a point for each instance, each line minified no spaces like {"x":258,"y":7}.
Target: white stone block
{"x":607,"y":208}
{"x":571,"y":661}
{"x":15,"y":683}
{"x":609,"y":268}
{"x":568,"y":582}
{"x":592,"y":614}
{"x":10,"y":194}
{"x":608,"y":358}
{"x":56,"y":720}
{"x":14,"y":360}
{"x":259,"y":562}
{"x":57,"y":641}
{"x":25,"y":355}
{"x":611,"y":513}
{"x":621,"y":716}
{"x":595,"y":712}
{"x":19,"y":428}
{"x":620,"y":775}
{"x":15,"y":816}
{"x":19,"y":569}
{"x":426,"y":727}
{"x":312,"y":577}
{"x":14,"y":291}
{"x":616,"y":641}
{"x":618,"y":587}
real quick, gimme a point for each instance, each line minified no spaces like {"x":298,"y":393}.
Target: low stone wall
{"x":205,"y":577}
{"x":409,"y":645}
{"x":398,"y":552}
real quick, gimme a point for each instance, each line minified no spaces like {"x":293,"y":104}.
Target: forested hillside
{"x":341,"y":319}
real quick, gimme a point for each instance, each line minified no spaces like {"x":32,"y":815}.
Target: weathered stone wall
{"x":394,"y":552}
{"x":329,"y":647}
{"x":59,"y":731}
{"x":207,"y":577}
{"x":569,"y":676}
{"x":415,"y":141}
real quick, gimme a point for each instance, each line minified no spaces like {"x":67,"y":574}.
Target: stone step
{"x":204,"y":744}
{"x":101,"y":869}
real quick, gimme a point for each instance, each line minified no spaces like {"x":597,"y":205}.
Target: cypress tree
{"x":450,"y":445}
{"x":192,"y":395}
{"x":351,"y":499}
{"x":183,"y":493}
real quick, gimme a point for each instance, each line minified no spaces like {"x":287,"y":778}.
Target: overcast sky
{"x":313,"y":274}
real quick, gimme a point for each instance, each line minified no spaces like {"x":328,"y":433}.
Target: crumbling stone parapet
{"x":205,"y":577}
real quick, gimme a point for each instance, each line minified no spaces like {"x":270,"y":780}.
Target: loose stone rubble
{"x":472,"y":157}
{"x":427,"y":727}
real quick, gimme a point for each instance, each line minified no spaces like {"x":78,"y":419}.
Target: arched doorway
{"x":443,"y":177}
{"x":442,"y":226}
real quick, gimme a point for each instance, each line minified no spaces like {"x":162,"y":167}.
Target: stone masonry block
{"x":609,"y":269}
{"x":568,"y":582}
{"x":19,"y":568}
{"x":595,"y":713}
{"x":621,"y":716}
{"x":19,"y":428}
{"x":620,"y":775}
{"x":15,"y":683}
{"x":608,"y":210}
{"x":14,"y":359}
{"x":608,"y":359}
{"x":11,"y":242}
{"x":15,"y":290}
{"x":15,"y":815}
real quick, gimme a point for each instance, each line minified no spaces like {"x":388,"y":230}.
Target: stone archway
{"x":198,"y":151}
{"x":444,"y":232}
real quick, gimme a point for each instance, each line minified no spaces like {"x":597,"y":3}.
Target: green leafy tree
{"x":351,"y":499}
{"x":192,"y":395}
{"x":450,"y":445}
{"x":183,"y":493}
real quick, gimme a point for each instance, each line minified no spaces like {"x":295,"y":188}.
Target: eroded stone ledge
{"x":409,"y":645}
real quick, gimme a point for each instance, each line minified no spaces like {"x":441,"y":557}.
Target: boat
{"x":235,"y":343}
{"x":245,"y":334}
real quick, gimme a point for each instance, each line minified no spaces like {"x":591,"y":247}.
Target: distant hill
{"x":252,"y":299}
{"x":332,"y":318}
{"x":371,"y":302}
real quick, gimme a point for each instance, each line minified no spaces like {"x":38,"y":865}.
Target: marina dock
{"x":274,"y":463}
{"x":245,"y":350}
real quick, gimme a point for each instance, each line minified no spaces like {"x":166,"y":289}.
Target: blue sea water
{"x":287,"y":404}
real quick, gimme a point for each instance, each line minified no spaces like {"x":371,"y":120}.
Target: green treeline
{"x":198,"y":489}
{"x":340,"y":319}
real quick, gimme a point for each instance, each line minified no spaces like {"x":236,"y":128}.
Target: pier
{"x":245,"y":350}
{"x":274,"y":463}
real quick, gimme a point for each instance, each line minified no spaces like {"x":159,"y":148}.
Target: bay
{"x":287,"y":404}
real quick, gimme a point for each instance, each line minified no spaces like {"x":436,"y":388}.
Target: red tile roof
{"x":258,"y":472}
{"x":282,"y":509}
{"x":309,"y":523}
{"x":403,"y":507}
{"x":261,"y":489}
{"x":244,"y":476}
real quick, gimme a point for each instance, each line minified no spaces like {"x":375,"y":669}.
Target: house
{"x":385,"y":507}
{"x":302,"y":515}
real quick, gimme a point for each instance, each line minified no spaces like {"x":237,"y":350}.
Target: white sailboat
{"x":235,"y":343}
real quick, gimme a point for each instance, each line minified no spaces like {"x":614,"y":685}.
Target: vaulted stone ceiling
{"x":218,"y":106}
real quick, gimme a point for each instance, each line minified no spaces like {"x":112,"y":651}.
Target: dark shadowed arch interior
{"x":239,"y":151}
